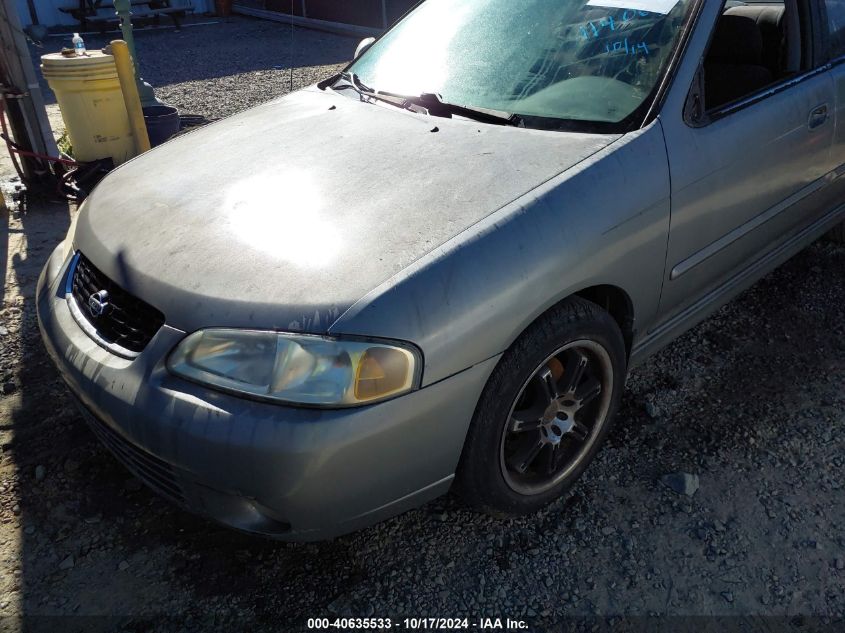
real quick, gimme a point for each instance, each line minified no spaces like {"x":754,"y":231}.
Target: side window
{"x":836,"y":28}
{"x":754,"y":45}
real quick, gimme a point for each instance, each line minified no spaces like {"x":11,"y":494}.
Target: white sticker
{"x":652,"y":6}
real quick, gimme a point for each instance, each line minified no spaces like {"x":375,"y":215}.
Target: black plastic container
{"x":162,"y":123}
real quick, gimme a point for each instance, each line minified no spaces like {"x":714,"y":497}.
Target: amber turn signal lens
{"x":382,"y":372}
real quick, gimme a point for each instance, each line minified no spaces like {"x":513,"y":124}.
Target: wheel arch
{"x":611,"y":298}
{"x":617,"y":303}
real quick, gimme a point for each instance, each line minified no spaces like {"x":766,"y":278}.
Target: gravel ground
{"x":218,"y":67}
{"x":744,"y":415}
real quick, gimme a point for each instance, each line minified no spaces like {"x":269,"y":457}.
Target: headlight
{"x":298,"y":369}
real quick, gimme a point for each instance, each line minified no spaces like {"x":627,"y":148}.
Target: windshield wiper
{"x":435,"y":106}
{"x":366,"y":92}
{"x":432,"y":104}
{"x":354,"y":82}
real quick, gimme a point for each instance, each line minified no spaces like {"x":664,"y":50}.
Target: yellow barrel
{"x":88,"y":91}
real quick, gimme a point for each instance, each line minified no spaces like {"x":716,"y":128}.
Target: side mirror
{"x":363,"y":46}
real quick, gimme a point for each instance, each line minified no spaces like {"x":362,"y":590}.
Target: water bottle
{"x":78,"y":44}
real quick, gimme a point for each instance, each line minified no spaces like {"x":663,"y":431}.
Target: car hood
{"x":284,"y":215}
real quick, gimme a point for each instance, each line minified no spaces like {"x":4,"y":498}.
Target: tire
{"x":837,"y":234}
{"x":502,"y":470}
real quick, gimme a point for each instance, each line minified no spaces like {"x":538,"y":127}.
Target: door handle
{"x":817,"y":117}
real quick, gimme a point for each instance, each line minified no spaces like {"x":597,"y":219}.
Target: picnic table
{"x":101,"y":12}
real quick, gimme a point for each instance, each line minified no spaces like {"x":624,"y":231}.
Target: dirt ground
{"x":751,"y":403}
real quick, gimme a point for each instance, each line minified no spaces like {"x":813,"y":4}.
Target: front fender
{"x":605,"y":221}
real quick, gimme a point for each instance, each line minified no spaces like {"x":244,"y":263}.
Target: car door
{"x":748,"y":173}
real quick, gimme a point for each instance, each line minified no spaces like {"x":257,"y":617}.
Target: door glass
{"x":748,"y":52}
{"x":836,"y":27}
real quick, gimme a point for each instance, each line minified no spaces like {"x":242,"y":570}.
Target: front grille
{"x":154,"y":472}
{"x":128,"y":322}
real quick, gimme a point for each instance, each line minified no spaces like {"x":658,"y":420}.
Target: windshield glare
{"x":593,"y":61}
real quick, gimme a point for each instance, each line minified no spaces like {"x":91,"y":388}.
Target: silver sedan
{"x":435,"y":269}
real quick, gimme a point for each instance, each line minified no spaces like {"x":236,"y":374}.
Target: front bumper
{"x":291,"y":473}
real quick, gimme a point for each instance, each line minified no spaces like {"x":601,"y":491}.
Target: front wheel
{"x":545,"y":410}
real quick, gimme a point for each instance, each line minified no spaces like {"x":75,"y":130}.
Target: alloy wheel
{"x":556,"y":417}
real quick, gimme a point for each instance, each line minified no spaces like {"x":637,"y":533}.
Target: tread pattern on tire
{"x":837,"y":234}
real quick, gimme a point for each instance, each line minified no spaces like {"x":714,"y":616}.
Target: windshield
{"x":593,"y":61}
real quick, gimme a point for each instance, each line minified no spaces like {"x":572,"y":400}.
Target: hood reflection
{"x":283,"y":216}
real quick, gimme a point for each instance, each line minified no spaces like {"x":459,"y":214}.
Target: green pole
{"x":123,"y":9}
